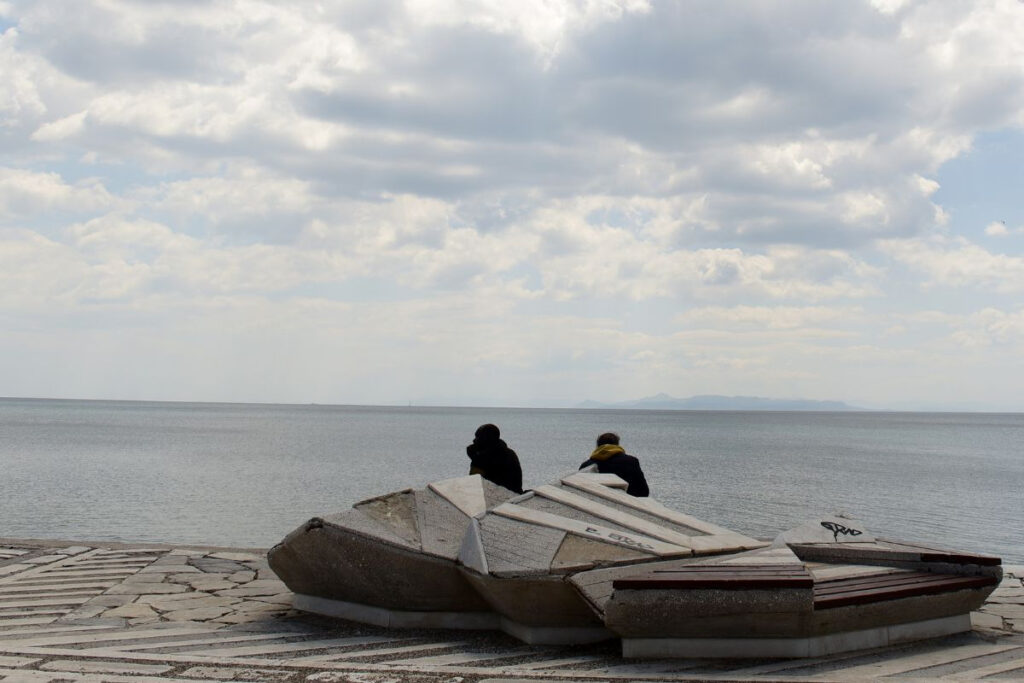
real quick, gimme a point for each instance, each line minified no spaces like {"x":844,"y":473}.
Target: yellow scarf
{"x":606,"y":451}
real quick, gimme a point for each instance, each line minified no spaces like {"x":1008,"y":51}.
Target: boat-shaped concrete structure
{"x":580,"y":560}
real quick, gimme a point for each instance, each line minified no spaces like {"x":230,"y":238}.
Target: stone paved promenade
{"x":128,"y":614}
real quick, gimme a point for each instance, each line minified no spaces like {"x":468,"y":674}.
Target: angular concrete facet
{"x":465,"y":493}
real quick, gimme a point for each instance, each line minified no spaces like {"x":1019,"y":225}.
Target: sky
{"x":528,"y":203}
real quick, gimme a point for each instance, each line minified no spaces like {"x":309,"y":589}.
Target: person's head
{"x":608,"y":439}
{"x":487,"y":433}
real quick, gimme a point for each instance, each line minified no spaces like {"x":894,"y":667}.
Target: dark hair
{"x":608,"y":438}
{"x":488,"y":432}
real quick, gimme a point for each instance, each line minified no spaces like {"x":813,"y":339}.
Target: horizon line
{"x":607,"y":407}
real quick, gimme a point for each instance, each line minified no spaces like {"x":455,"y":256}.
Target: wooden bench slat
{"x":732,"y":576}
{"x":734,"y":567}
{"x":830,"y":593}
{"x":884,"y":582}
{"x":725,"y":573}
{"x":731,"y":569}
{"x":721,"y":584}
{"x":724,"y":577}
{"x":865,"y":583}
{"x":839,"y":590}
{"x":865,"y":596}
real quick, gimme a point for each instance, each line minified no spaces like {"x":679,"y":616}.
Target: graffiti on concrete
{"x":837,"y":528}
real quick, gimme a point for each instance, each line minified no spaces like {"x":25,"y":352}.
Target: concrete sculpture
{"x":580,"y":560}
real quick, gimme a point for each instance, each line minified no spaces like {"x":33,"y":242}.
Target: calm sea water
{"x":245,"y":475}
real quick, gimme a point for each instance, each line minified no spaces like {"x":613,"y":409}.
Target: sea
{"x":244,"y":475}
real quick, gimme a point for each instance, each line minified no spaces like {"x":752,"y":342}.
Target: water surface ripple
{"x":244,"y":475}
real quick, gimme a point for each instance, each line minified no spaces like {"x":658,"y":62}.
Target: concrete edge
{"x":556,"y":635}
{"x":115,"y":545}
{"x":817,"y":646}
{"x":379,"y":616}
{"x":463,"y":621}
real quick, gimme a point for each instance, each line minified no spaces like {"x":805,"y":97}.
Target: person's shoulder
{"x":631,"y":459}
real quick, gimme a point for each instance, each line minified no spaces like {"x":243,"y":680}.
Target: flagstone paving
{"x":135,"y":614}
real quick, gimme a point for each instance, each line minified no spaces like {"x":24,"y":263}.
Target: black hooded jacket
{"x":612,"y":459}
{"x":491,"y":458}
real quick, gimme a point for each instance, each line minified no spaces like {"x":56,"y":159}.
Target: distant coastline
{"x":714,"y":402}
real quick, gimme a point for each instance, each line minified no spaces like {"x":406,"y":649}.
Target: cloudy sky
{"x":513,"y":203}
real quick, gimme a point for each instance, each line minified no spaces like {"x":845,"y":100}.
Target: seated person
{"x":492,"y":459}
{"x":611,"y":458}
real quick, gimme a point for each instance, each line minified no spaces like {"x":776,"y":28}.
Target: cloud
{"x":771,"y":317}
{"x":34,"y":270}
{"x":615,"y":265}
{"x":672,"y":183}
{"x":60,"y":129}
{"x":991,"y":327}
{"x":25,"y":192}
{"x":544,"y":26}
{"x":19,"y":91}
{"x":318,"y":96}
{"x":999,"y":229}
{"x":957,"y":262}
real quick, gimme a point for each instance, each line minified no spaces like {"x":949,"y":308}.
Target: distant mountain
{"x":706,"y":402}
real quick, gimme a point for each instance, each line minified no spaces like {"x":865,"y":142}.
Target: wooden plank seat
{"x":781,"y":610}
{"x":865,"y":590}
{"x":828,"y":594}
{"x":720,"y":577}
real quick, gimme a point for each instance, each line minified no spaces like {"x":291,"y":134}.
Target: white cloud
{"x":385,"y":99}
{"x":771,"y":317}
{"x":34,"y":271}
{"x":992,"y":328}
{"x":1000,"y":229}
{"x":25,"y":192}
{"x":542,"y":24}
{"x":61,"y":128}
{"x":1001,"y":327}
{"x":702,"y":196}
{"x":889,"y":6}
{"x":137,"y":257}
{"x":944,"y":262}
{"x":995,"y":229}
{"x":613,"y":265}
{"x":19,"y":95}
{"x":238,"y":196}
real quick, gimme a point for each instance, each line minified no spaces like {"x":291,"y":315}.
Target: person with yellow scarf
{"x":611,"y":458}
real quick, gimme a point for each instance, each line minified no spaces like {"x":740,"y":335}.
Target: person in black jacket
{"x":492,"y":459}
{"x":611,"y":458}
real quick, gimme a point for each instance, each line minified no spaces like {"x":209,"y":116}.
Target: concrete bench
{"x":782,"y":611}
